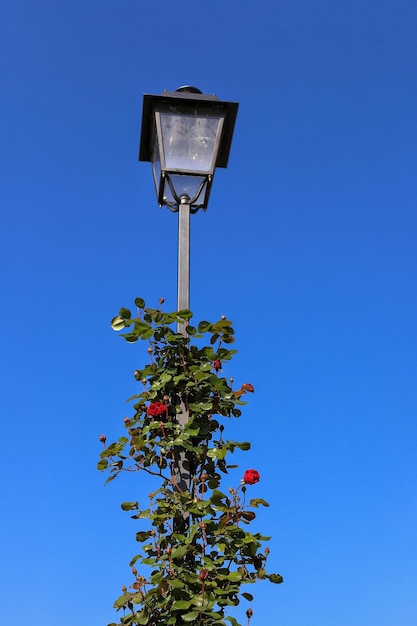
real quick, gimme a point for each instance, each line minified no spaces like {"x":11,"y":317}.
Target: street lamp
{"x":185,"y":135}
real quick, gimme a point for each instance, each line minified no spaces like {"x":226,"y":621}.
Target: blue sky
{"x":308,"y":245}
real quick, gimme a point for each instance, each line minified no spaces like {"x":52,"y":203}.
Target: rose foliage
{"x":196,"y":558}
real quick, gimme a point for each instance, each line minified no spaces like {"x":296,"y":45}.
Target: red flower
{"x":217,"y":364}
{"x":157,"y":409}
{"x":251,"y":477}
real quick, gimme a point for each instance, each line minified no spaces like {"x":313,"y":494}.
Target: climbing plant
{"x":197,"y":559}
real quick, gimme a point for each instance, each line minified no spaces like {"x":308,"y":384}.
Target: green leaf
{"x":248,"y":515}
{"x":204,"y":326}
{"x":190,"y":617}
{"x":141,"y":326}
{"x":125,"y":313}
{"x":103,"y":464}
{"x":244,"y":445}
{"x":179,"y":552}
{"x":117,"y":323}
{"x":185,"y":314}
{"x":121,"y":601}
{"x":140,"y":303}
{"x":248,"y":596}
{"x":130,"y":337}
{"x":182,"y":604}
{"x":143,"y":535}
{"x":129,"y":506}
{"x":234,"y":577}
{"x":257,"y":501}
{"x":276,"y":578}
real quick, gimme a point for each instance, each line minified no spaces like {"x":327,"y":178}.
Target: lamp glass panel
{"x":185,"y":186}
{"x":190,"y":140}
{"x":156,"y":166}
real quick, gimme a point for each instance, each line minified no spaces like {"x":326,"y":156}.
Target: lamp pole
{"x":183,"y":282}
{"x":182,"y":458}
{"x":185,"y":135}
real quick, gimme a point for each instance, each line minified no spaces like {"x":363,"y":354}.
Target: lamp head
{"x":186,"y":135}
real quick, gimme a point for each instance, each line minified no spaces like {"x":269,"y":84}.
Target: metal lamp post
{"x":185,"y":135}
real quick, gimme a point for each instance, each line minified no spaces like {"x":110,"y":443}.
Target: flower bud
{"x":150,"y":350}
{"x":161,"y":300}
{"x":223,"y":317}
{"x":134,"y":571}
{"x":203,"y":574}
{"x":136,"y":374}
{"x":165,"y":398}
{"x":126,"y":420}
{"x":103,"y":438}
{"x":249,"y":613}
{"x":124,"y":589}
{"x":266,"y":551}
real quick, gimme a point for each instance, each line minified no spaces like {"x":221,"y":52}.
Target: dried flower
{"x":248,"y":387}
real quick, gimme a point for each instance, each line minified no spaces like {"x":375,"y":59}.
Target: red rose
{"x":217,"y":364}
{"x":157,"y":409}
{"x":251,"y":477}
